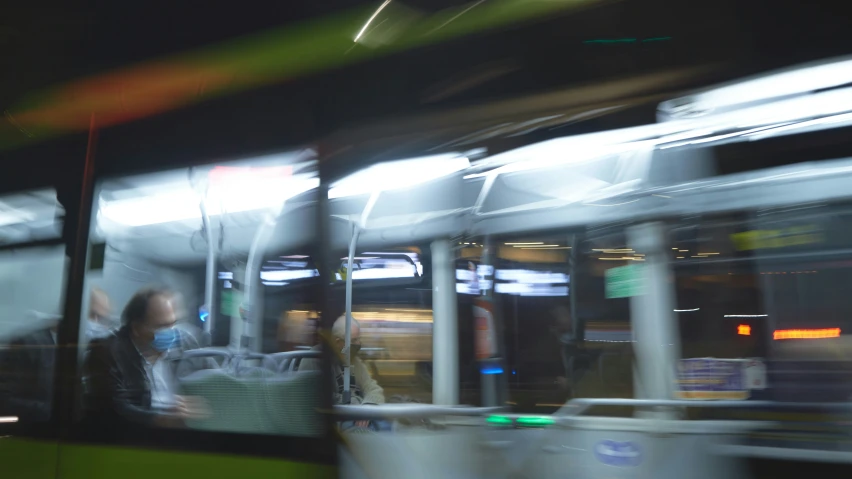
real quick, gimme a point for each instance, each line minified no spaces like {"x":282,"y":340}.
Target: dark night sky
{"x":42,"y":46}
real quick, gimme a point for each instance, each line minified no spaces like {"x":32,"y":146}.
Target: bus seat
{"x":255,"y":372}
{"x":233,"y":401}
{"x":285,"y":365}
{"x":243,"y":362}
{"x":193,"y":360}
{"x":291,"y":402}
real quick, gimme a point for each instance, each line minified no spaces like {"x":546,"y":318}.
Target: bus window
{"x":768,"y":288}
{"x":562,"y":336}
{"x":195,"y":267}
{"x":392,"y":324}
{"x":32,"y":278}
{"x":718,"y":291}
{"x":803,"y":258}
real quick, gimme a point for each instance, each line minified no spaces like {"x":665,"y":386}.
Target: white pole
{"x":356,"y":229}
{"x":252,"y":328}
{"x":348,"y":337}
{"x":655,"y":327}
{"x":211,"y":271}
{"x":445,"y":350}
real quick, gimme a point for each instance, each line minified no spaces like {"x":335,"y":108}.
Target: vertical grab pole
{"x":445,"y":348}
{"x":356,"y":230}
{"x":251,"y":327}
{"x":347,"y":366}
{"x":210,"y":276}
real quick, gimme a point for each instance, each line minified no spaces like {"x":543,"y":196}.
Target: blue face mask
{"x":166,"y":339}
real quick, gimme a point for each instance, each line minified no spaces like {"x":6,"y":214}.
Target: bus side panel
{"x":95,"y":462}
{"x":28,"y":458}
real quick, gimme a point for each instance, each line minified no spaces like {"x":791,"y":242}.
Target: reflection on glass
{"x":31,"y":288}
{"x":188,"y":261}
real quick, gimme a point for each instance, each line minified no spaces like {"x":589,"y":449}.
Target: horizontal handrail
{"x":296,"y":354}
{"x":577,"y":406}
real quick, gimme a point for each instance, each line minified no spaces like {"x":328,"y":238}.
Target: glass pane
{"x":31,"y":216}
{"x":181,"y":327}
{"x":392,"y":327}
{"x":562,"y":336}
{"x":32,"y":282}
{"x":388,"y":217}
{"x":767,"y":289}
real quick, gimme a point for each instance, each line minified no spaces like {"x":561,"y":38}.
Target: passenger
{"x":363,"y":388}
{"x":98,"y":324}
{"x":26,"y":388}
{"x":129,"y":378}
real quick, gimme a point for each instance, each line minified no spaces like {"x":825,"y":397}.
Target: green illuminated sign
{"x":624,"y":281}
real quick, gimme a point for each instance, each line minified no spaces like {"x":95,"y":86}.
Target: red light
{"x":806,"y":333}
{"x":744,"y":330}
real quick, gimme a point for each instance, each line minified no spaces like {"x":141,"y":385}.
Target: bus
{"x":532,"y":302}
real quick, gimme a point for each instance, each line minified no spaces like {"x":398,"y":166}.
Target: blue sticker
{"x":618,"y":454}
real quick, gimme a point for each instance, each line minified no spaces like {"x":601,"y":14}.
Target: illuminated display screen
{"x":522,"y":282}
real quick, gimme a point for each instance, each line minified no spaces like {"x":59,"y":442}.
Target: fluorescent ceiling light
{"x":14,"y":216}
{"x":400,"y":174}
{"x":795,"y":81}
{"x":758,"y":121}
{"x":574,"y":150}
{"x":182,"y":203}
{"x":751,"y":119}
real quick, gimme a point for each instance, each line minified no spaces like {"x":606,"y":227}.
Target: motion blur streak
{"x":806,"y":333}
{"x":322,"y":44}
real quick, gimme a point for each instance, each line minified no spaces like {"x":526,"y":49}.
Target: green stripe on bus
{"x":25,"y":459}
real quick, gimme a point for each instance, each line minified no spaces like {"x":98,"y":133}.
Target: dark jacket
{"x":117,"y":387}
{"x":26,"y":377}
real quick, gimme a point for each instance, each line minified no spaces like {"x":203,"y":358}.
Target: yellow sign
{"x":780,"y":238}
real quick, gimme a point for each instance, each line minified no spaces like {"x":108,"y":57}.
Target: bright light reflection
{"x":288,"y":275}
{"x":182,"y":203}
{"x":795,"y":81}
{"x":370,"y":20}
{"x":400,"y":174}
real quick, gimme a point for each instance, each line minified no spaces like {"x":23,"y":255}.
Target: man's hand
{"x":191,"y":407}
